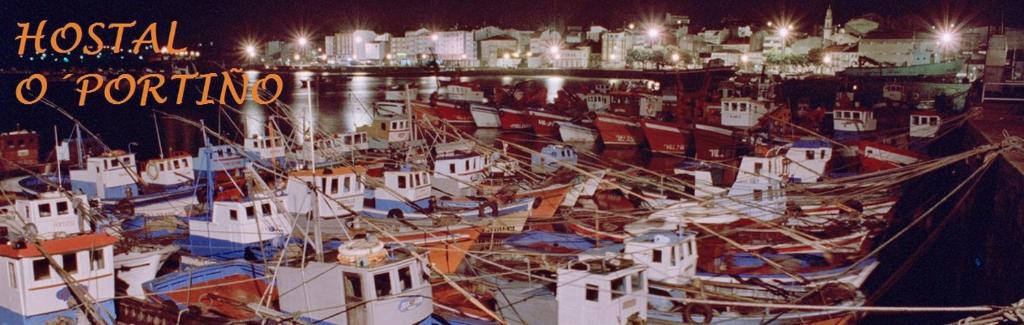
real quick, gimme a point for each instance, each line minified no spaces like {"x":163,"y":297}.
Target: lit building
{"x":499,"y":51}
{"x":614,"y":47}
{"x":571,"y":58}
{"x":826,"y":31}
{"x":456,"y":48}
{"x":899,"y":50}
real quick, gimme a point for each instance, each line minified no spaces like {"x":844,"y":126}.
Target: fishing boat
{"x":617,"y":130}
{"x":875,"y":156}
{"x":406,"y":194}
{"x":218,"y":292}
{"x":513,"y":119}
{"x":46,"y":235}
{"x":267,"y":151}
{"x":552,"y":157}
{"x":138,"y":262}
{"x":457,"y":113}
{"x":715,"y":143}
{"x":485,"y":116}
{"x":572,"y":132}
{"x":369,"y":284}
{"x":457,"y":173}
{"x":666,"y":137}
{"x":462,"y":91}
{"x":19,"y":149}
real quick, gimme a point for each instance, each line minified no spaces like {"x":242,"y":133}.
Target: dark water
{"x":336,"y":109}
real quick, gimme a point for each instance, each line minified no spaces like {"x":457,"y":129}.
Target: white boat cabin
{"x":743,"y":112}
{"x":596,"y":102}
{"x":808,"y":160}
{"x":389,"y":108}
{"x":241,"y":222}
{"x":706,"y":180}
{"x":168,"y":171}
{"x":462,"y":92}
{"x":456,"y":173}
{"x":854,"y":120}
{"x":111,"y":176}
{"x":893,"y":92}
{"x":218,"y":158}
{"x":389,"y":129}
{"x":266,"y":148}
{"x":380,"y":286}
{"x":924,"y":124}
{"x":598,"y":292}
{"x":52,"y":214}
{"x":402,"y":186}
{"x":334,"y":187}
{"x":670,"y":256}
{"x":352,"y":141}
{"x":552,"y":157}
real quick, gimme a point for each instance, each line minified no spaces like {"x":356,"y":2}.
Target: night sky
{"x":232,"y":20}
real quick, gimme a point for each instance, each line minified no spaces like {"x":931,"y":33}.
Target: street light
{"x":653,"y":32}
{"x":303,"y":41}
{"x":250,"y":51}
{"x":826,"y":59}
{"x":434,"y":37}
{"x":675,"y":57}
{"x":553,"y":50}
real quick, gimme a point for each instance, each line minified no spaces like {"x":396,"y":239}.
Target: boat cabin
{"x":110,"y":176}
{"x":389,"y":129}
{"x":379,"y":285}
{"x":624,"y":103}
{"x":52,"y":214}
{"x":169,"y":171}
{"x":456,"y":172}
{"x":670,"y":256}
{"x":808,"y":160}
{"x":650,"y":105}
{"x":742,"y":112}
{"x":21,"y":147}
{"x":854,"y":120}
{"x":219,"y":158}
{"x":708,"y":179}
{"x":597,"y":292}
{"x":552,"y":157}
{"x":893,"y":92}
{"x":924,"y":124}
{"x":463,"y":92}
{"x":352,"y":141}
{"x":268,"y":149}
{"x":34,"y":293}
{"x":235,"y":226}
{"x":334,"y":187}
{"x":403,"y":186}
{"x":596,"y":102}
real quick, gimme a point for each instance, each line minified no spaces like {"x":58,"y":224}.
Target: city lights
{"x":826,"y":59}
{"x":653,"y":32}
{"x":675,"y":57}
{"x":303,"y":41}
{"x":250,"y":51}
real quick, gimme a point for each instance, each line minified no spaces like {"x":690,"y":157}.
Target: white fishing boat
{"x":552,"y":157}
{"x":140,"y":263}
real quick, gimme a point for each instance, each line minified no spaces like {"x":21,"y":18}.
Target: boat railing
{"x":1003,"y":92}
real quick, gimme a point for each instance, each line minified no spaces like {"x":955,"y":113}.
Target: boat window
{"x":334,"y":185}
{"x":266,"y":209}
{"x":401,"y":181}
{"x":404,"y":279}
{"x":672,"y":251}
{"x":70,"y":262}
{"x":656,"y":257}
{"x":41,"y":269}
{"x":467,"y":165}
{"x":914,"y":120}
{"x":823,"y":154}
{"x":62,"y":208}
{"x":637,"y":281}
{"x":161,"y":166}
{"x":451,"y":168}
{"x":933,"y":121}
{"x":185,"y":162}
{"x":757,"y":195}
{"x":44,"y":210}
{"x":591,"y":292}
{"x":757,"y":168}
{"x":250,"y":212}
{"x":353,"y":286}
{"x":233,"y":214}
{"x":619,"y":287}
{"x":348,"y":184}
{"x":383,"y":126}
{"x":127,"y":161}
{"x":856,"y":115}
{"x":13,"y":275}
{"x":177,"y":164}
{"x":809,"y":154}
{"x":382,"y":284}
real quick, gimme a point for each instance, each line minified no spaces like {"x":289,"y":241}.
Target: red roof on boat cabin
{"x":60,"y":245}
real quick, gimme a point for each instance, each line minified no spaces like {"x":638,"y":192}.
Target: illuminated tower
{"x":826,"y":35}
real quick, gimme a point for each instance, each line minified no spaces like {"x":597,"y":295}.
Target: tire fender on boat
{"x":702,"y":309}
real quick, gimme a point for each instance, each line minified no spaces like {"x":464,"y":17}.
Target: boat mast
{"x":318,"y":243}
{"x":56,"y":144}
{"x":159,"y":143}
{"x":78,"y":143}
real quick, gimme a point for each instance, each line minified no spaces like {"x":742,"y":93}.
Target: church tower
{"x":826,"y":35}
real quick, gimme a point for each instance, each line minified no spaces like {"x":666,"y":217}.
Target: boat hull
{"x":485,"y":116}
{"x":543,"y":123}
{"x":665,"y":137}
{"x":454,"y":114}
{"x":618,"y":131}
{"x":570,"y":132}
{"x":512,"y":119}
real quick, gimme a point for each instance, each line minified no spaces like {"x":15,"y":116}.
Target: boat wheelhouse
{"x":596,"y":102}
{"x":352,"y":141}
{"x":893,"y":92}
{"x":35,"y":292}
{"x":19,"y":147}
{"x":269,"y":150}
{"x":624,"y":103}
{"x":388,"y":131}
{"x":370,"y":284}
{"x":596,"y":292}
{"x":239,"y":229}
{"x":217,"y":160}
{"x":457,"y":173}
{"x":743,"y":112}
{"x":853,"y":120}
{"x":552,"y":157}
{"x":339,"y":191}
{"x":924,"y":124}
{"x":110,"y":176}
{"x":168,"y":172}
{"x":670,"y":256}
{"x":463,"y":92}
{"x":402,"y":187}
{"x":808,"y":160}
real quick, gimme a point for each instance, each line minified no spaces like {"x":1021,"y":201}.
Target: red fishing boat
{"x":714,"y":142}
{"x":666,"y":137}
{"x":618,"y":130}
{"x":875,"y":156}
{"x":543,"y":121}
{"x":513,"y":119}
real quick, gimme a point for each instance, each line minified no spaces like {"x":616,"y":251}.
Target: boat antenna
{"x":56,"y":144}
{"x":159,"y":143}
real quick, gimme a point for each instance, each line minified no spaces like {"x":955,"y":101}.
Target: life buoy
{"x":396,"y":214}
{"x":705,"y":312}
{"x":152,"y":171}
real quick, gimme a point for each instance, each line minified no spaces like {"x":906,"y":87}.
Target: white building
{"x":614,"y":47}
{"x":455,"y":47}
{"x":898,"y":50}
{"x":502,"y":48}
{"x":575,"y":58}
